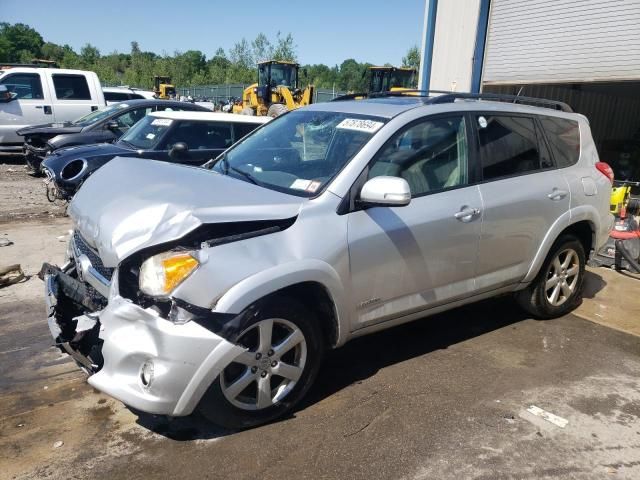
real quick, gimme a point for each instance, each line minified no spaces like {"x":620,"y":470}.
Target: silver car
{"x":219,"y":288}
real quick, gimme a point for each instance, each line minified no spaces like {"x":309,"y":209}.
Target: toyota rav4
{"x":219,"y":288}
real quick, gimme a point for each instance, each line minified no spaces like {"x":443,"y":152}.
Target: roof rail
{"x":501,"y":97}
{"x":450,"y":97}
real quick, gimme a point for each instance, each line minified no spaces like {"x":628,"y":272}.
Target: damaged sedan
{"x":219,"y":289}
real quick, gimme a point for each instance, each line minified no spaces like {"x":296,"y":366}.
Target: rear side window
{"x":244,"y":129}
{"x":71,"y":87}
{"x":115,"y":96}
{"x":25,"y":85}
{"x":564,"y":139}
{"x":508,"y":146}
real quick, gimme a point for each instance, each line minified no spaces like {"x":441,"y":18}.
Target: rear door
{"x":32,"y":105}
{"x":523,"y":196}
{"x":72,"y":96}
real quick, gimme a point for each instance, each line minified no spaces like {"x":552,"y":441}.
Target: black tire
{"x":217,"y":408}
{"x":276,"y":109}
{"x":534,"y":299}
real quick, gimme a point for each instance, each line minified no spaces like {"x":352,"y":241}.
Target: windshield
{"x":284,"y":75}
{"x":146,"y":134}
{"x":300,"y":152}
{"x":98,"y":115}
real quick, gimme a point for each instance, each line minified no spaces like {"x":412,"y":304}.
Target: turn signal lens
{"x":161,"y":274}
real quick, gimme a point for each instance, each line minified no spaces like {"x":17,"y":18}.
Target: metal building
{"x":583,"y":52}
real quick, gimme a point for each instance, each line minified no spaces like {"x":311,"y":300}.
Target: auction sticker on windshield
{"x":165,"y":122}
{"x":360,"y":125}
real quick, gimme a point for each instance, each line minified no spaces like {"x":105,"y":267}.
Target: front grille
{"x":84,"y":249}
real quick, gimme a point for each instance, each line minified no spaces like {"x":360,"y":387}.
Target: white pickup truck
{"x":32,"y":96}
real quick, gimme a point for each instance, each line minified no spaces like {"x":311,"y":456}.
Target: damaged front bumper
{"x":132,"y":353}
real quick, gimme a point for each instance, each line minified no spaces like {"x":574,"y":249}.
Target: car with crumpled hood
{"x":219,"y":289}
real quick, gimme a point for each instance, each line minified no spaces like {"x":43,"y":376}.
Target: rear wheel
{"x":558,"y":287}
{"x":284,"y":351}
{"x":247,"y":111}
{"x":276,"y":109}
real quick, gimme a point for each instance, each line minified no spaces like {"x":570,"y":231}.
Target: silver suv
{"x":219,"y":288}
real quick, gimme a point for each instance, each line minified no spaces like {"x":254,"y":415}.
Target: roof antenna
{"x":518,"y":94}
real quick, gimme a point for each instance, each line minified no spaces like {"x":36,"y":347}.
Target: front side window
{"x":508,"y":146}
{"x":147,"y":133}
{"x":431,"y":155}
{"x":71,"y":87}
{"x":200,"y":135}
{"x":564,"y":139}
{"x":26,"y":86}
{"x":299,"y":152}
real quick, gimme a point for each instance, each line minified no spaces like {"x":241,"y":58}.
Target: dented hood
{"x":134,"y":203}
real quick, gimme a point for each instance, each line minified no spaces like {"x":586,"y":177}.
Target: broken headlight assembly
{"x":162,"y":273}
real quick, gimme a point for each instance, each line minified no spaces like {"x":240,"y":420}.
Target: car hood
{"x":132,"y":203}
{"x":56,"y":160}
{"x":50,"y":129}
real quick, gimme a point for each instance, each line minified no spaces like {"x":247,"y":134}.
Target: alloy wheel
{"x":562,"y":277}
{"x":270,"y":368}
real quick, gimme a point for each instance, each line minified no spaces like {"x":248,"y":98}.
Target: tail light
{"x":605,"y":169}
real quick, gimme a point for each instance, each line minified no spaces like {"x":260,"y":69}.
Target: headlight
{"x":161,"y":274}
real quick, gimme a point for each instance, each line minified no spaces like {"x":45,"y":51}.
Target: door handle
{"x":557,"y":194}
{"x":466,"y":214}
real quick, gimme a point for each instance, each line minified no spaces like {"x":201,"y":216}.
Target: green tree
{"x":262,"y":48}
{"x":285,"y":49}
{"x":412,"y":58}
{"x":19,"y":41}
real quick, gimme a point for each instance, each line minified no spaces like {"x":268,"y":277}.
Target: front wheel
{"x":557,"y":289}
{"x":284,"y":351}
{"x":276,"y":109}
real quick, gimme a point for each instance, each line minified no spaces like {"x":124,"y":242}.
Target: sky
{"x":327,"y":31}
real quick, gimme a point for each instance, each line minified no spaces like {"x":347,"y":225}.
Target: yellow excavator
{"x":162,"y":87}
{"x":276,"y":92}
{"x":391,"y":79}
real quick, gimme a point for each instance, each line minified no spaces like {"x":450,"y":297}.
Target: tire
{"x":276,"y":109}
{"x":247,"y":111}
{"x":233,"y":400}
{"x":557,"y":289}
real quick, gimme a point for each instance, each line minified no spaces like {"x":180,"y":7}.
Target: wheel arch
{"x":315,"y":283}
{"x":583,"y":228}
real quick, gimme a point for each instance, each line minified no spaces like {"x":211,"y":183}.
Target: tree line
{"x":19,"y":43}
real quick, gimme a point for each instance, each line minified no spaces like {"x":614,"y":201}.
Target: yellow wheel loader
{"x":390,"y":79}
{"x":276,"y":92}
{"x":162,"y":87}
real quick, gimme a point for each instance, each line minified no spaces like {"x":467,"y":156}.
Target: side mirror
{"x":385,"y":192}
{"x":112,"y":125}
{"x":5,"y":95}
{"x":178,"y":150}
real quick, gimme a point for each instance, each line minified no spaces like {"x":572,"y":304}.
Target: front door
{"x":28,"y":107}
{"x":204,"y":139}
{"x":408,"y":259}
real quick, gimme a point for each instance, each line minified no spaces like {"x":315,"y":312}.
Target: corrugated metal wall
{"x":555,"y":41}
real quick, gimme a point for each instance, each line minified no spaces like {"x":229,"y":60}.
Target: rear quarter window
{"x":564,"y":139}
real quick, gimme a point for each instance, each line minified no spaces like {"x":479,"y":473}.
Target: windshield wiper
{"x":127,"y":144}
{"x":226,"y":168}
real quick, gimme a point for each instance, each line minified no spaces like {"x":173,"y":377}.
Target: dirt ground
{"x":22,"y":197}
{"x":445,"y":397}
